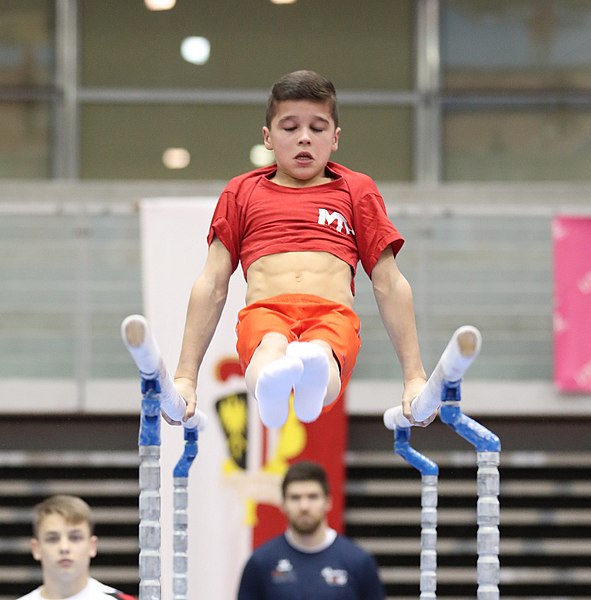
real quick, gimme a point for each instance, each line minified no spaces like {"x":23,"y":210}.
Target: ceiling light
{"x":176,"y":158}
{"x":196,"y":50}
{"x":159,"y":4}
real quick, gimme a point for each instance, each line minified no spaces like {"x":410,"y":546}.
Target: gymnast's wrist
{"x":417,"y":378}
{"x":185,"y":380}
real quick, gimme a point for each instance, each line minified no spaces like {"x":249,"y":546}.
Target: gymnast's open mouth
{"x":304,"y":156}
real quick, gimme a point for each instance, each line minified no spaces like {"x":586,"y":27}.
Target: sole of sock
{"x":273,"y":389}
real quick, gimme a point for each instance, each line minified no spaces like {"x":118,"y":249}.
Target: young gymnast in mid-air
{"x":299,"y":228}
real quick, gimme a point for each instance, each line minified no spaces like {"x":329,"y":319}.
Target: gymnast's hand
{"x":412,"y":388}
{"x":186,"y":389}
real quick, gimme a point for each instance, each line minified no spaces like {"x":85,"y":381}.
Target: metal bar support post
{"x":488,"y":448}
{"x":429,"y":474}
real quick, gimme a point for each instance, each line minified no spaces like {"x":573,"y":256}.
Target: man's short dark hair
{"x":303,"y":85}
{"x":306,"y":470}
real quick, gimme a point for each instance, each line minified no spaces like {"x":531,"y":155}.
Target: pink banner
{"x":572,"y":303}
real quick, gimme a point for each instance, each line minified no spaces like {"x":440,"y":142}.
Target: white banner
{"x":174,"y":249}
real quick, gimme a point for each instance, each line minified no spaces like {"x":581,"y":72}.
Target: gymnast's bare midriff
{"x":318,"y":273}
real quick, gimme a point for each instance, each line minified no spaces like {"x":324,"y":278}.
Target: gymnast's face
{"x":302,"y":135}
{"x":305,"y":506}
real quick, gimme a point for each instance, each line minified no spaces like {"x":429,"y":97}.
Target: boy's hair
{"x":73,"y":509}
{"x":303,"y":85}
{"x":306,"y":471}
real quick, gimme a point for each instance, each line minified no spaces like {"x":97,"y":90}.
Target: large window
{"x":27,"y":92}
{"x":516,"y":46}
{"x":142,"y":97}
{"x":515,"y":80}
{"x":518,"y":144}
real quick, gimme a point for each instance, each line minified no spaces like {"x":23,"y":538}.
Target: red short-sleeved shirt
{"x":346,"y":217}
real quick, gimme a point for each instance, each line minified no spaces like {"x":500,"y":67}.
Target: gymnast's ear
{"x":267,"y":138}
{"x":35,"y":550}
{"x":335,"y":140}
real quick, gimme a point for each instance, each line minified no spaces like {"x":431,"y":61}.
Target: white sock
{"x":273,"y":388}
{"x":309,"y":392}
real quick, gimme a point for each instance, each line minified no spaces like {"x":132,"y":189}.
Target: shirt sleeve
{"x":225,"y":226}
{"x":372,"y":587}
{"x":373,"y":229}
{"x":249,"y":588}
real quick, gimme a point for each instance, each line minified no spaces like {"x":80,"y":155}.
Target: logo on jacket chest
{"x":283,"y":572}
{"x":335,"y":577}
{"x":335,"y":219}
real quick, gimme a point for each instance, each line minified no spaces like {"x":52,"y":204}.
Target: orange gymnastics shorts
{"x":301,"y":317}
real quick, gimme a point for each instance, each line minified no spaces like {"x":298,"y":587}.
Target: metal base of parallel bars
{"x":488,"y":448}
{"x":149,"y":500}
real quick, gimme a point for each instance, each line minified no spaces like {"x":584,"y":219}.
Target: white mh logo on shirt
{"x":328,"y":218}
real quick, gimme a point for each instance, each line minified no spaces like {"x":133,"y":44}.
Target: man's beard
{"x":305,"y":527}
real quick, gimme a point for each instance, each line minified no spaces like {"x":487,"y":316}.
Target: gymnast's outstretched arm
{"x":206,"y":302}
{"x":394,"y":299}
